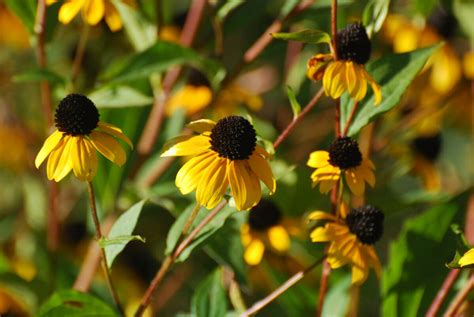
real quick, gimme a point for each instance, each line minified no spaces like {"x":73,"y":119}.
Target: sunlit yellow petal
{"x":49,"y":145}
{"x":467,"y":258}
{"x":279,"y":238}
{"x":318,"y":159}
{"x":93,"y":11}
{"x":213,"y":183}
{"x":237,"y":184}
{"x":201,"y":126}
{"x":321,"y":215}
{"x":361,"y":90}
{"x":54,"y":157}
{"x":367,"y":174}
{"x":262,"y":169}
{"x":191,"y":146}
{"x":84,"y":159}
{"x":252,"y":185}
{"x":190,"y":173}
{"x":254,"y":252}
{"x":64,"y":163}
{"x":192,"y":98}
{"x":351,"y":79}
{"x":69,"y":10}
{"x":114,"y":131}
{"x":320,"y":234}
{"x":355,"y":181}
{"x":112,"y":17}
{"x":108,"y":147}
{"x":326,"y":185}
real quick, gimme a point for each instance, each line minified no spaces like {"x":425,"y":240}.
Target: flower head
{"x":345,"y":157}
{"x":263,"y":229}
{"x":92,"y":12}
{"x":79,"y":135}
{"x":351,"y":239}
{"x":467,"y":259}
{"x":224,"y":153}
{"x":348,"y":72}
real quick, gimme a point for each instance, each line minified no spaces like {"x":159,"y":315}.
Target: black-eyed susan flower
{"x":351,"y":237}
{"x":92,"y":12}
{"x":343,"y":157}
{"x":348,"y":72}
{"x":467,"y":259}
{"x":263,"y":229}
{"x":224,"y":153}
{"x":78,"y":136}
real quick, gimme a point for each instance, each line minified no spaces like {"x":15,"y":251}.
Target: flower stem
{"x":323,"y":287}
{"x":442,"y":293}
{"x":280,"y":290}
{"x":351,"y":117}
{"x":334,"y":27}
{"x":298,"y":118}
{"x":99,"y":236}
{"x":460,"y":297}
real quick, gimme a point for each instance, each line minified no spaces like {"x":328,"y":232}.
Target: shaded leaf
{"x":374,"y":15}
{"x":209,"y":300}
{"x":295,"y":106}
{"x":305,"y":36}
{"x":118,"y":97}
{"x":25,"y":10}
{"x":461,"y":247}
{"x":36,"y":75}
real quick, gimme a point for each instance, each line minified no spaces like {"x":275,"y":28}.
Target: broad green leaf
{"x":209,"y":300}
{"x":206,"y":232}
{"x":295,"y":106}
{"x":119,"y":97}
{"x":464,"y":11}
{"x":25,"y":10}
{"x":305,"y":36}
{"x":121,"y":231}
{"x":374,"y":15}
{"x":160,"y":57}
{"x":337,"y":298}
{"x":393,"y":72}
{"x":73,"y":303}
{"x":416,"y":265}
{"x":425,"y":7}
{"x":36,"y":75}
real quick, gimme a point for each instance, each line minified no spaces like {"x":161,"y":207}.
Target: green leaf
{"x":227,"y":8}
{"x":464,"y":11}
{"x":73,"y":303}
{"x":160,"y":57}
{"x":209,"y":300}
{"x":288,"y":7}
{"x":119,"y":97}
{"x":25,"y":10}
{"x":393,"y":72}
{"x":416,"y":266}
{"x":374,"y":15}
{"x":206,"y":232}
{"x":120,"y":234}
{"x":36,"y":75}
{"x":462,"y":246}
{"x":295,"y":106}
{"x":337,"y":298}
{"x":305,"y":36}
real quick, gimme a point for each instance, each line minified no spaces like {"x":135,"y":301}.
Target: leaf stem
{"x":99,"y":236}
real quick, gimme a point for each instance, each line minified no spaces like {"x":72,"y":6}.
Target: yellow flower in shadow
{"x":78,"y":136}
{"x":264,"y":229}
{"x":467,"y":259}
{"x":351,"y":239}
{"x":345,"y":158}
{"x":224,"y":153}
{"x":92,"y":12}
{"x":234,"y":95}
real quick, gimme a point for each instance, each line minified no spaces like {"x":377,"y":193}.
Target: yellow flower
{"x":351,"y":239}
{"x":224,"y":153}
{"x":92,"y":12}
{"x":348,"y":72}
{"x":78,"y":136}
{"x":467,"y":258}
{"x":343,"y":157}
{"x":232,"y":96}
{"x":263,"y":228}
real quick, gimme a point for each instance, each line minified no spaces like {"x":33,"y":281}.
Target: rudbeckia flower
{"x":351,"y":239}
{"x":343,"y":157}
{"x":467,"y":258}
{"x":263,"y":229}
{"x":92,"y":12}
{"x":348,"y":72}
{"x":78,"y":136}
{"x":224,"y":153}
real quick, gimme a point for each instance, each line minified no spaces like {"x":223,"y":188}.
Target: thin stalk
{"x":460,"y":298}
{"x":281,"y":289}
{"x":323,"y":287}
{"x":442,"y":293}
{"x":79,"y":55}
{"x":334,"y":27}
{"x":351,"y":117}
{"x":99,"y":236}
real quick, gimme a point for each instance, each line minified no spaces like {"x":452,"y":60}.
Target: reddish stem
{"x":323,"y":287}
{"x":351,"y":117}
{"x":442,"y":293}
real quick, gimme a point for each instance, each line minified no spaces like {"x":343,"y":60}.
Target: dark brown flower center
{"x":264,"y":215}
{"x":353,"y":44}
{"x":234,"y":138}
{"x":344,"y":153}
{"x":76,"y":115}
{"x":428,"y":147}
{"x":366,"y":223}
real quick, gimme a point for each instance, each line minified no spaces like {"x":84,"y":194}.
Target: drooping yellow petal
{"x":338,"y":80}
{"x":355,"y":181}
{"x":279,"y":238}
{"x":69,"y":10}
{"x":254,"y":252}
{"x":252,"y":186}
{"x":260,"y":150}
{"x":262,"y":169}
{"x":108,"y":147}
{"x":116,"y":132}
{"x":237,"y":184}
{"x":375,"y":87}
{"x":327,"y":78}
{"x":112,"y":17}
{"x":320,"y":234}
{"x":321,"y":215}
{"x":467,"y":258}
{"x":64,"y":163}
{"x":93,"y":11}
{"x":361,"y":90}
{"x":328,"y":172}
{"x":326,"y":185}
{"x":367,"y":174}
{"x":213,"y":183}
{"x":49,"y":145}
{"x":84,"y":159}
{"x":54,"y":157}
{"x":201,"y":126}
{"x":373,"y":260}
{"x":360,"y":270}
{"x":335,"y":260}
{"x":191,"y":146}
{"x":189,"y":175}
{"x":318,"y":159}
{"x":191,"y":98}
{"x":351,"y":79}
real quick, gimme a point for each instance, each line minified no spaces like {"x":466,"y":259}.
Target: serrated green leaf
{"x":416,"y":266}
{"x":209,"y":300}
{"x":295,"y":106}
{"x":119,"y":97}
{"x":160,"y":57}
{"x":374,"y":15}
{"x":121,"y":232}
{"x":36,"y":75}
{"x":73,"y":303}
{"x":305,"y":36}
{"x":393,"y":72}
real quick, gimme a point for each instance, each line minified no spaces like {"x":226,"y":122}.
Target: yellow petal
{"x":327,"y":78}
{"x":69,"y":10}
{"x":262,"y":169}
{"x":84,"y":159}
{"x":237,"y":184}
{"x":49,"y":145}
{"x":93,"y":11}
{"x":337,"y":80}
{"x":335,"y":260}
{"x":367,"y":174}
{"x":373,"y":259}
{"x":279,"y":238}
{"x":320,"y":234}
{"x":192,"y":98}
{"x":260,"y":150}
{"x":328,"y":172}
{"x":64,"y":162}
{"x":254,"y":252}
{"x":50,"y":2}
{"x":201,"y":126}
{"x":351,"y":79}
{"x":114,"y":131}
{"x":189,"y":175}
{"x":54,"y":157}
{"x":252,"y":185}
{"x":108,"y":147}
{"x":112,"y":17}
{"x":321,"y":215}
{"x":326,"y":185}
{"x":467,"y":258}
{"x":213,"y":183}
{"x":355,"y":181}
{"x":318,"y":159}
{"x":191,"y":146}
